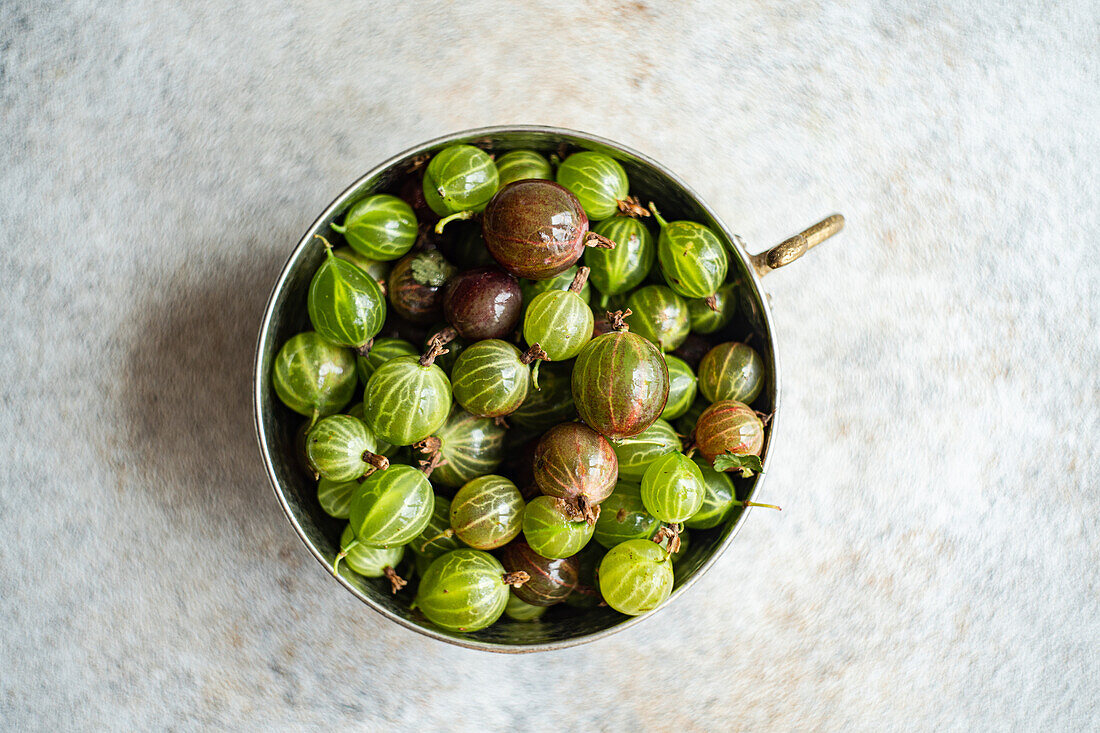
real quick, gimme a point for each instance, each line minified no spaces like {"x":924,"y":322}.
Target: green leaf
{"x":729,"y":461}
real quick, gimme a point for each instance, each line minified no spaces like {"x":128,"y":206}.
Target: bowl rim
{"x":258,"y":383}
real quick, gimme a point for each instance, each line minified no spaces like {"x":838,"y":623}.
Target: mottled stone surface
{"x":936,"y":562}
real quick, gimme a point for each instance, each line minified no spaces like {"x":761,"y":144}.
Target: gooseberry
{"x":519,"y":165}
{"x":345,"y":304}
{"x":381,"y":351}
{"x":459,"y":178}
{"x":482,"y":304}
{"x":711,"y":314}
{"x":463,"y":590}
{"x":693,"y":260}
{"x":391,"y":507}
{"x":536,"y":229}
{"x":553,"y":528}
{"x":672,"y":488}
{"x":341,"y":448}
{"x":490,"y":378}
{"x":599,"y":182}
{"x":551,"y":580}
{"x":487,"y":512}
{"x":731,"y":371}
{"x":730,"y":430}
{"x":381,"y":227}
{"x":467,"y":446}
{"x":408,"y":398}
{"x":620,"y":382}
{"x":574,"y":462}
{"x":660,"y":315}
{"x":416,"y":284}
{"x":636,"y":577}
{"x":313,"y":376}
{"x":623,"y":517}
{"x":622,"y":268}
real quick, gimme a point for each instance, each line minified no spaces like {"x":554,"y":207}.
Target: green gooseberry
{"x":623,"y":517}
{"x":531,"y":289}
{"x":586,"y":594}
{"x":370,"y":562}
{"x":383,"y":448}
{"x":551,"y":403}
{"x":638,"y":451}
{"x":731,"y":371}
{"x":463,"y":590}
{"x":335,"y":496}
{"x":378,"y":270}
{"x":559,"y":322}
{"x":720,"y":499}
{"x":487,"y":512}
{"x":682,"y":386}
{"x":468,"y":446}
{"x":459,"y":178}
{"x":685,"y":424}
{"x":391,"y":507}
{"x":346,"y":305}
{"x":408,"y":398}
{"x":636,"y":577}
{"x":520,"y":610}
{"x":660,"y":315}
{"x":708,"y":315}
{"x":313,"y":376}
{"x":553,"y":530}
{"x":597,"y":180}
{"x":491,"y":378}
{"x":381,"y":227}
{"x":381,"y":351}
{"x":673,"y":488}
{"x":342,"y":448}
{"x":521,"y":165}
{"x":620,"y":270}
{"x":437,"y":537}
{"x":693,"y":261}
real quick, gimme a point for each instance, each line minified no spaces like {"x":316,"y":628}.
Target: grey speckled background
{"x":936,"y":565}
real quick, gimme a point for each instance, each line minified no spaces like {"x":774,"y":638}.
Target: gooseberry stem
{"x":396,"y":581}
{"x":337,"y":228}
{"x":342,"y":554}
{"x":579,"y":280}
{"x":435,"y":349}
{"x":604,"y":300}
{"x":328,"y":247}
{"x":712,"y":302}
{"x":690,"y":451}
{"x":444,"y":535}
{"x":617,"y":319}
{"x":457,"y":215}
{"x":380,"y":463}
{"x":657,"y":215}
{"x":364,"y":350}
{"x":631,"y":206}
{"x":591,"y":239}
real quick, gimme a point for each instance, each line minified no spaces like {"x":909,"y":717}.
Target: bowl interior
{"x":277,"y":425}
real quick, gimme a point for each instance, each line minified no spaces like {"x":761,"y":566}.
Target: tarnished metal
{"x":286,"y":314}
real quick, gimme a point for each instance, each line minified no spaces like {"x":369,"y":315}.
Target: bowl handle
{"x":791,"y":249}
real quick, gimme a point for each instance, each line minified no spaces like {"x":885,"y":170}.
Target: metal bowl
{"x":276,"y":426}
